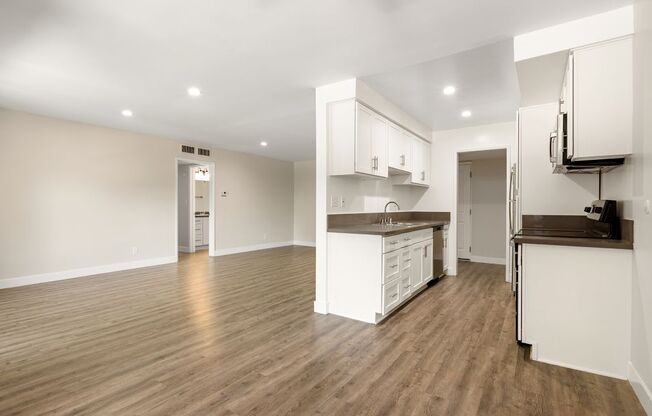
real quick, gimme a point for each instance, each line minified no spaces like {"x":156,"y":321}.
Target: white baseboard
{"x":244,"y":249}
{"x":321,"y":307}
{"x":580,"y":368}
{"x":85,"y":271}
{"x":184,"y":249}
{"x":489,"y":260}
{"x":303,"y":243}
{"x":642,"y":390}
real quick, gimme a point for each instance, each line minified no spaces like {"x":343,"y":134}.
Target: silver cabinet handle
{"x":393,"y":242}
{"x":423,"y":175}
{"x":393,"y":266}
{"x":394,"y":296}
{"x":402,"y":160}
{"x":425,"y":252}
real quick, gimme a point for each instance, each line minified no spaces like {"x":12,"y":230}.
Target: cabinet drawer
{"x":393,"y":243}
{"x":391,"y":296}
{"x":405,"y":287}
{"x":391,"y":266}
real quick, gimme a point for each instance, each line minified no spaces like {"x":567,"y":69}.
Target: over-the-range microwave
{"x":559,"y":153}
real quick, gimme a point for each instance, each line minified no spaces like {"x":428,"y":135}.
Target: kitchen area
{"x":387,"y":190}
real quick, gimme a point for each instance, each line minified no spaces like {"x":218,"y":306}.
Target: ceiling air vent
{"x":203,"y":152}
{"x":187,"y":149}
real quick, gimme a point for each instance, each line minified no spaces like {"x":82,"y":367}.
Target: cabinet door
{"x":445,"y":251}
{"x":379,"y":145}
{"x":425,"y":162}
{"x":417,"y":161}
{"x":399,"y":148}
{"x":416,"y":274}
{"x":364,"y":162}
{"x":426,"y":257}
{"x":603,"y":100}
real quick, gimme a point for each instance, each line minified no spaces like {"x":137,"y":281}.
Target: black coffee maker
{"x":603,"y":218}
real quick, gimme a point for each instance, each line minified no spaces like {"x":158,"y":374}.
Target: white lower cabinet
{"x":201,"y":231}
{"x":370,"y":276}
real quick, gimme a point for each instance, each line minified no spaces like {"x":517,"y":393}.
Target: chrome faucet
{"x":386,"y":219}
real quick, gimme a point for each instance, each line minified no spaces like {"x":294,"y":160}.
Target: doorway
{"x":482,"y":232}
{"x":195,"y":219}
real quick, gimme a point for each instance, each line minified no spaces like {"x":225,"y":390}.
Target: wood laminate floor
{"x":236,"y":335}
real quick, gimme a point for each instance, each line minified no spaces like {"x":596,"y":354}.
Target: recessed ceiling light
{"x":194,"y":91}
{"x":449,"y":90}
{"x":127,"y":113}
{"x":466,"y":113}
{"x":264,"y":144}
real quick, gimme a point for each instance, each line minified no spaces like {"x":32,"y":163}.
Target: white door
{"x":464,"y":211}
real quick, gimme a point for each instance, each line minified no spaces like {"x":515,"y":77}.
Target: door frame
{"x":508,"y":165}
{"x":470,"y":222}
{"x":211,"y":205}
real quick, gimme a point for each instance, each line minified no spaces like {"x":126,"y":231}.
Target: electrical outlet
{"x":335,"y":202}
{"x":134,"y":251}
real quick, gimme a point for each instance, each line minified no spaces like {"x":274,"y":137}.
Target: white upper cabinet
{"x":601,"y":90}
{"x":400,"y":150}
{"x":420,"y":164}
{"x":357,"y":140}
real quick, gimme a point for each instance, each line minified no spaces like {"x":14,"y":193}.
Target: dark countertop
{"x":571,"y":224}
{"x":384,"y":230}
{"x":574,"y":242}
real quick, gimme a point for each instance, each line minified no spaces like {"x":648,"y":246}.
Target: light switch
{"x":341,"y":202}
{"x":335,"y":201}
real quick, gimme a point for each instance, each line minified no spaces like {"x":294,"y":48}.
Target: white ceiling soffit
{"x":484,"y":78}
{"x":482,"y":155}
{"x":257,"y":62}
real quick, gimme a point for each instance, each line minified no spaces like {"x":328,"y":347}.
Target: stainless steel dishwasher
{"x":438,"y":252}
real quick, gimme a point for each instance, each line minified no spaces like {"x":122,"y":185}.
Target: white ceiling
{"x":257,"y":61}
{"x":485,"y":81}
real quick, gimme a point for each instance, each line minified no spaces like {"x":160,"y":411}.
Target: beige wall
{"x":79,"y":196}
{"x":304,"y":202}
{"x":641,"y":345}
{"x":488,"y":205}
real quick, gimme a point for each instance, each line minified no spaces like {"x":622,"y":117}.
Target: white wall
{"x":304,"y":202}
{"x":87,"y":195}
{"x":184,"y":206}
{"x":641,"y":344}
{"x":488,"y":207}
{"x":370,"y":195}
{"x":442,"y":194}
{"x":545,"y":193}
